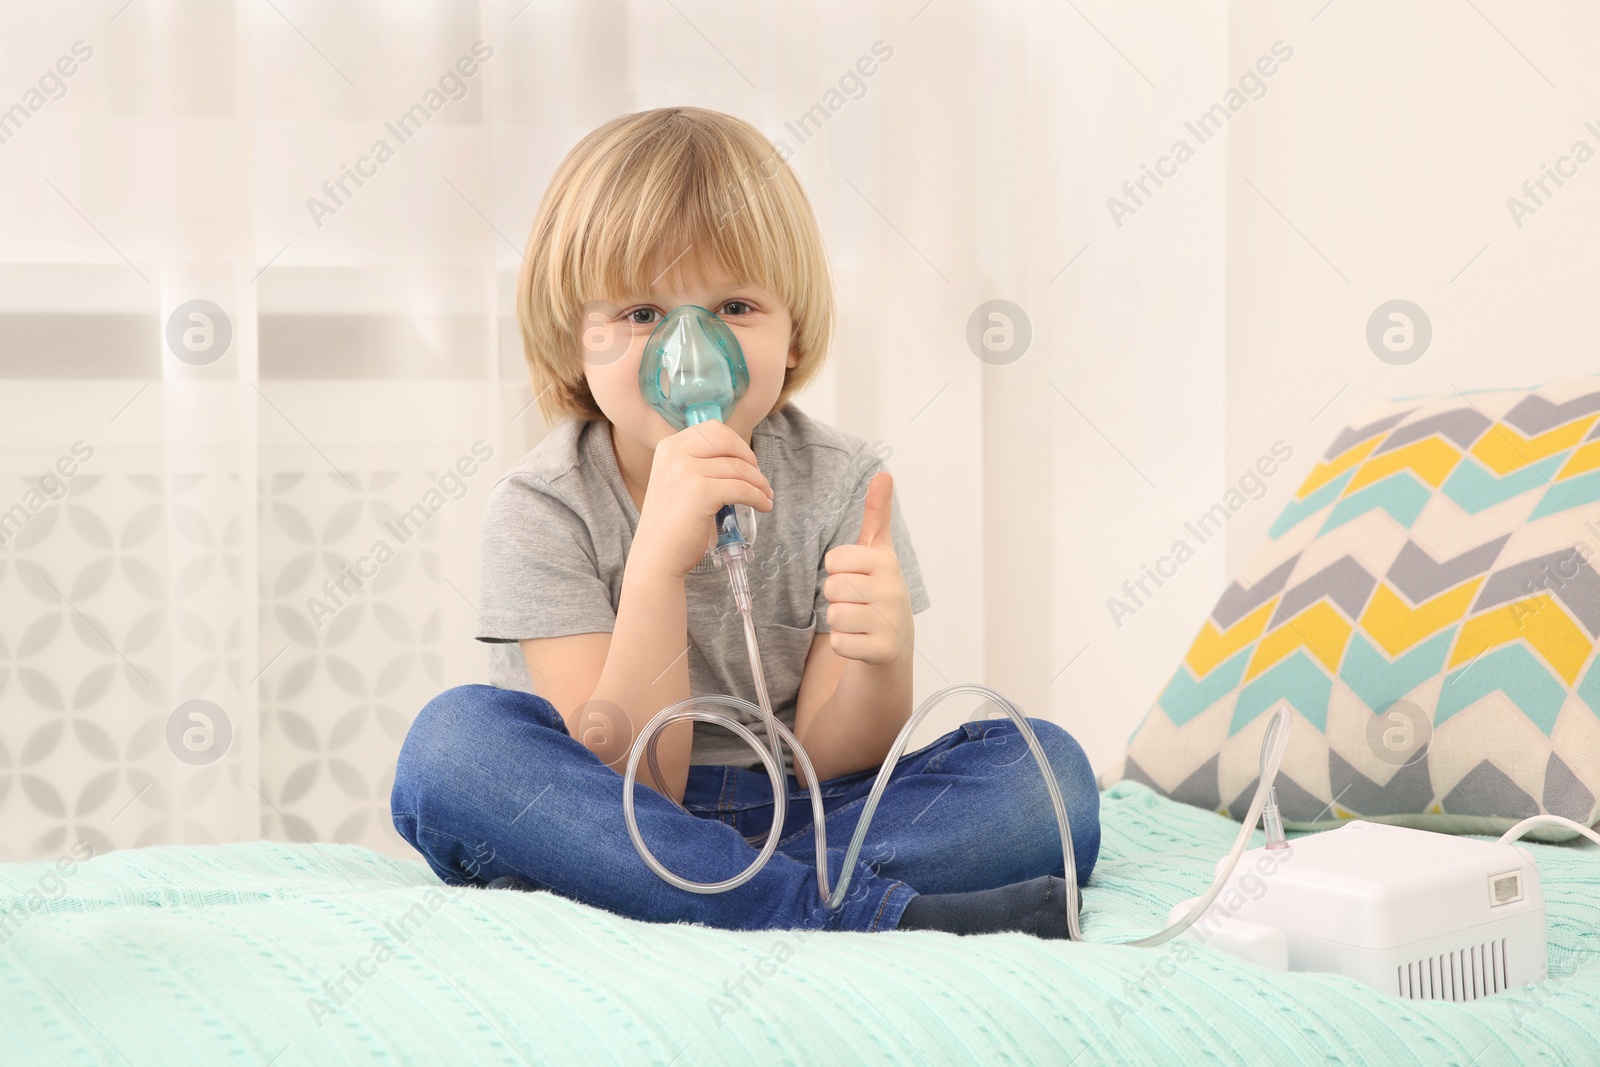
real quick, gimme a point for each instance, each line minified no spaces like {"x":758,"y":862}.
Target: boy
{"x":602,"y":603}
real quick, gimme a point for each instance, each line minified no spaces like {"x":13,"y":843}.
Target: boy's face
{"x":614,"y":336}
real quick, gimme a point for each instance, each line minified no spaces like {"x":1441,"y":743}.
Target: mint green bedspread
{"x":234,"y":954}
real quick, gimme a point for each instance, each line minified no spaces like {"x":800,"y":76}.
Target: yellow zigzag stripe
{"x":1432,"y":458}
{"x":1583,"y":460}
{"x":1396,"y":626}
{"x":1213,"y":645}
{"x":1323,"y":473}
{"x":1540,"y":621}
{"x":1319,"y":628}
{"x":1504,"y":450}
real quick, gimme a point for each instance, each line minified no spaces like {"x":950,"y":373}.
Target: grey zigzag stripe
{"x":1297,"y":803}
{"x":1564,"y":794}
{"x":1420,"y":577}
{"x":1203,"y":787}
{"x":1563,"y":574}
{"x":1487,"y":790}
{"x":1534,"y":414}
{"x":1462,"y":426}
{"x":1409,"y":789}
{"x":1344,"y":581}
{"x":1239,"y":600}
{"x":1354,"y":435}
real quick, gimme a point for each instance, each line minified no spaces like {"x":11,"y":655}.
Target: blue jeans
{"x":490,"y":784}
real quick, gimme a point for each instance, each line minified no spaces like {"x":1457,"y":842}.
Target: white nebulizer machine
{"x":1420,"y":915}
{"x":1416,"y":913}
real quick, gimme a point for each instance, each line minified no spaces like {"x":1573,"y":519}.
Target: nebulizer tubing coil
{"x":1272,"y":749}
{"x":693,"y":351}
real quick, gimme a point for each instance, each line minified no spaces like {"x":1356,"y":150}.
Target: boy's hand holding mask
{"x":869,"y":609}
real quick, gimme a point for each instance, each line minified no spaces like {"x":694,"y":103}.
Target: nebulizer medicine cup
{"x":693,"y":369}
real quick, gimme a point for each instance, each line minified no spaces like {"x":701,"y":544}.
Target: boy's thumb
{"x":875,"y":515}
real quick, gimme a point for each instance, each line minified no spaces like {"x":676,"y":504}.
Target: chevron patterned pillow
{"x":1429,"y":605}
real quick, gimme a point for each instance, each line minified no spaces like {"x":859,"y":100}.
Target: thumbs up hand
{"x":869,"y":609}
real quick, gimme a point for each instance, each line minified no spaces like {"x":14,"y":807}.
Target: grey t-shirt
{"x":556,"y":532}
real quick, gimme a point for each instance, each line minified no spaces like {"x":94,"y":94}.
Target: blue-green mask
{"x":693,"y":368}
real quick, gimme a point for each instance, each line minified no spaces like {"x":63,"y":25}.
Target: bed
{"x":273,"y":953}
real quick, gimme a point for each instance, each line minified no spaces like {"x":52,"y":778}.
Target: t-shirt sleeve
{"x":540,"y":577}
{"x":849,"y":528}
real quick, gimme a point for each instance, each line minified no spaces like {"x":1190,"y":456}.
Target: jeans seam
{"x":858,"y":801}
{"x":938,"y":761}
{"x":887,"y":896}
{"x":861,"y":800}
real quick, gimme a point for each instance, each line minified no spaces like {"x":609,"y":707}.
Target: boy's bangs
{"x":714,"y":223}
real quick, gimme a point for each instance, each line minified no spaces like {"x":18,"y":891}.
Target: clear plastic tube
{"x":1272,"y":824}
{"x":1516,"y":832}
{"x":1273,"y":744}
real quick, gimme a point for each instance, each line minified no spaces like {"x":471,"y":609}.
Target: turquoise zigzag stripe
{"x":1572,"y":493}
{"x":1305,"y":684}
{"x":1475,"y":489}
{"x":1378,"y":681}
{"x":1185,"y":697}
{"x":1589,"y":689}
{"x":1515,"y":672}
{"x":1297,"y":510}
{"x":1400,"y":494}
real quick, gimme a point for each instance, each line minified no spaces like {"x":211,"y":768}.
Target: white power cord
{"x":1547,"y":820}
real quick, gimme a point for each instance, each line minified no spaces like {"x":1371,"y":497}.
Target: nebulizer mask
{"x":694,"y":370}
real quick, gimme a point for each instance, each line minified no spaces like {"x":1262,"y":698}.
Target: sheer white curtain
{"x":258,"y":264}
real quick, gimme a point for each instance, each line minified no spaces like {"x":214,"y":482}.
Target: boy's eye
{"x":649,"y":316}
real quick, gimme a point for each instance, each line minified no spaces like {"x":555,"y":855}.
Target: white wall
{"x":1134,"y":335}
{"x":1396,"y":138}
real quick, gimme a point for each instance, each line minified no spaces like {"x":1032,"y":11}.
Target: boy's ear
{"x":794,"y":356}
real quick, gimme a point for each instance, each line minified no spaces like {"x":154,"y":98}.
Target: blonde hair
{"x":633,"y":198}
